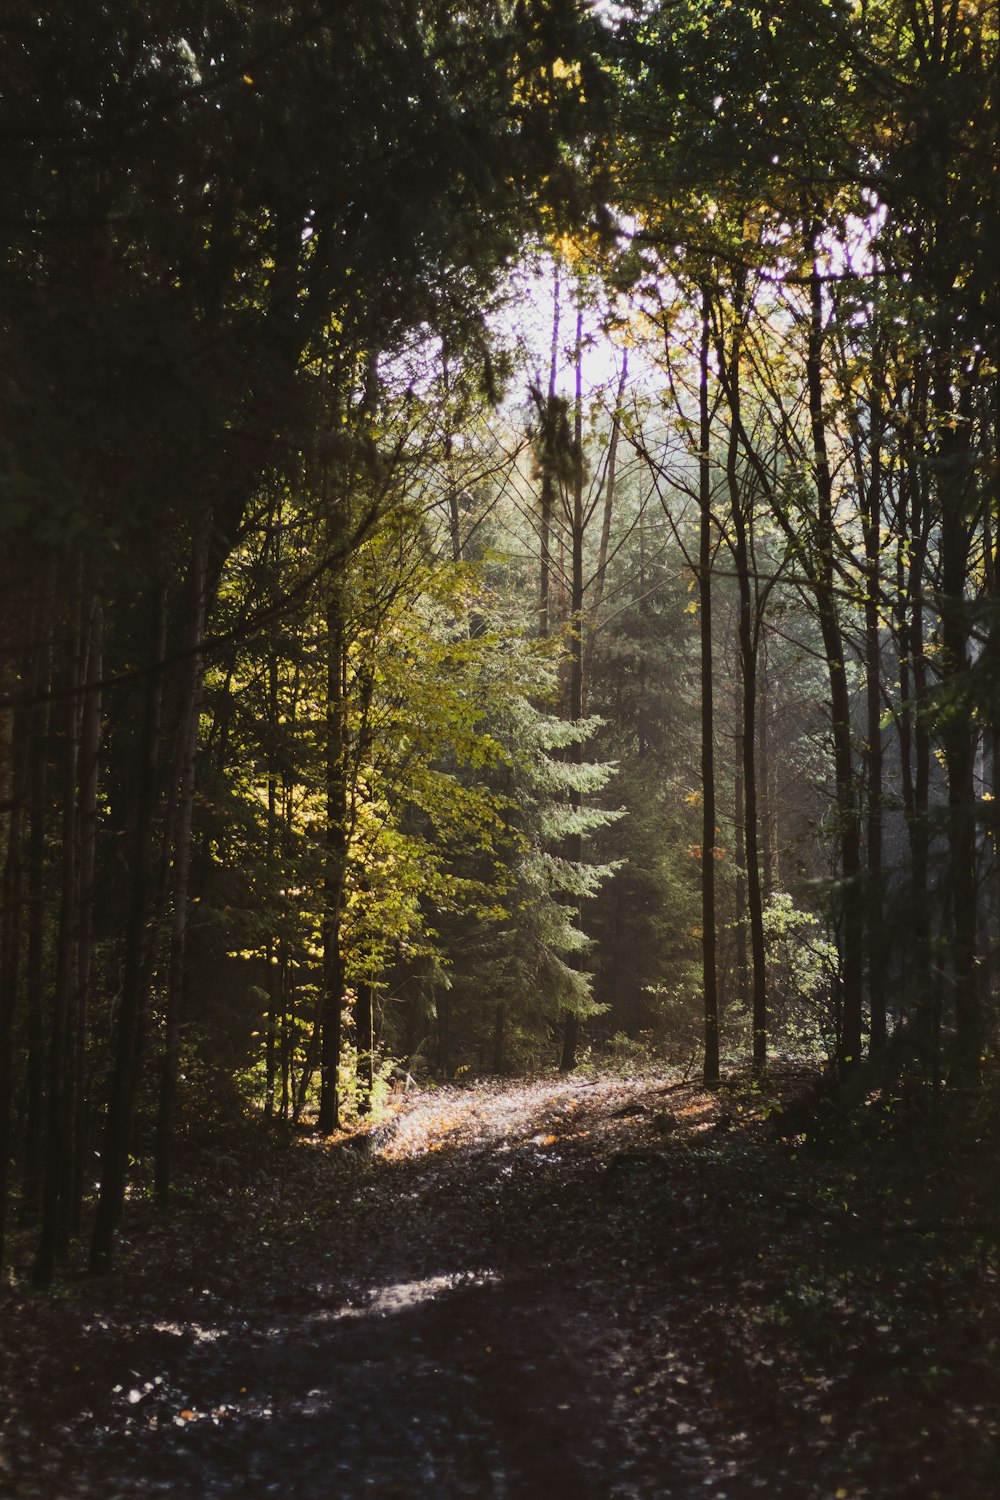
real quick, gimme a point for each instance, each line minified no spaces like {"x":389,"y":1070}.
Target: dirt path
{"x":571,"y":1288}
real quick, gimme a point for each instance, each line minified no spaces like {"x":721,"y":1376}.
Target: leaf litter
{"x":611,"y":1287}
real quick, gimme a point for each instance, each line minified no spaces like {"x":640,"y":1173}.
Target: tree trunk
{"x":914,"y":740}
{"x":740,"y":895}
{"x":274,"y":996}
{"x":749,"y":640}
{"x":705,"y":553}
{"x":180,"y":874}
{"x":548,"y":474}
{"x":134,"y":996}
{"x":600,"y":571}
{"x":335,"y":870}
{"x":767,"y":821}
{"x":958,"y":733}
{"x":574,"y":843}
{"x":90,"y":750}
{"x":852,"y":946}
{"x":365,"y":1029}
{"x":38,"y":762}
{"x":874,"y":753}
{"x":58,"y":1157}
{"x":11,"y":798}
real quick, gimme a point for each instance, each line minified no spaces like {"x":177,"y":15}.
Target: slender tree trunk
{"x":287,"y":1025}
{"x":365,"y":1025}
{"x":874,"y":751}
{"x":134,"y":996}
{"x":38,"y":762}
{"x":767,"y":821}
{"x":958,"y":732}
{"x":271,"y":945}
{"x":852,"y":954}
{"x":600,"y":571}
{"x":914,"y":739}
{"x":705,"y":553}
{"x":740,"y":858}
{"x":991,"y":549}
{"x":574,"y":844}
{"x":548,"y":467}
{"x":58,"y":1169}
{"x":11,"y":798}
{"x":335,"y":870}
{"x":10,"y":945}
{"x":749,"y":641}
{"x":181,"y":871}
{"x":90,"y":750}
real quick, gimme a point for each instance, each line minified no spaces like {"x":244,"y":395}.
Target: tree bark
{"x":38,"y":762}
{"x":574,"y":843}
{"x":740,"y":884}
{"x":874,"y":884}
{"x":12,"y":777}
{"x":90,"y":750}
{"x":335,"y":870}
{"x":852,"y":943}
{"x":58,"y":1160}
{"x":365,"y":1029}
{"x":181,"y":871}
{"x":958,"y":733}
{"x":749,"y":640}
{"x":134,"y":995}
{"x":705,"y":554}
{"x":548,"y":474}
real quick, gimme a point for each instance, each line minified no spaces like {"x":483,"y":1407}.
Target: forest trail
{"x":570,"y":1287}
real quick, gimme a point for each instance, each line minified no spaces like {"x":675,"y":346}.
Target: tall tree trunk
{"x":914,"y":739}
{"x":180,"y":874}
{"x":740,"y":859}
{"x":705,"y":554}
{"x":38,"y":764}
{"x":11,"y":798}
{"x":58,"y":1167}
{"x":767,"y":820}
{"x":991,"y":551}
{"x":874,"y":892}
{"x":287,"y":1028}
{"x":749,"y":640}
{"x":548,"y":466}
{"x":134,"y":995}
{"x":601,"y":569}
{"x":365,"y":1026}
{"x":848,"y":827}
{"x":335,"y":870}
{"x":90,"y":750}
{"x":10,"y":946}
{"x":959,"y":735}
{"x":574,"y":844}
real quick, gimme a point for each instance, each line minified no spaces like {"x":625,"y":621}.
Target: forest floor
{"x":571,"y":1287}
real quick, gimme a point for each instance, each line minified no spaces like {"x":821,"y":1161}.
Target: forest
{"x":500,"y":539}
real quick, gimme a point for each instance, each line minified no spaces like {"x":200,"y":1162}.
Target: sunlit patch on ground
{"x":193,"y":1331}
{"x":402,"y":1296}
